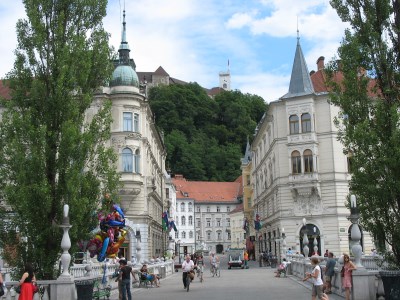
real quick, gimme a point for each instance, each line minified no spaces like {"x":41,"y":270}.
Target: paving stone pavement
{"x":254,"y":283}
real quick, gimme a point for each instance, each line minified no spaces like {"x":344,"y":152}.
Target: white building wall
{"x":288,"y":198}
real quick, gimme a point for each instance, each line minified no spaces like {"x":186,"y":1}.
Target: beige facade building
{"x":299,"y":170}
{"x":141,"y":158}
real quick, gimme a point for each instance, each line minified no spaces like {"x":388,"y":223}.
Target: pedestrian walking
{"x":315,"y":275}
{"x":246,"y":259}
{"x":329,"y":273}
{"x":125,"y":279}
{"x":346,"y":274}
{"x":187,"y":266}
{"x":27,"y":283}
{"x":1,"y":285}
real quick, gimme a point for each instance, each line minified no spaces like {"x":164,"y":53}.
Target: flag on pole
{"x":171,"y":226}
{"x":165,"y":220}
{"x":245,"y":225}
{"x":257,"y":222}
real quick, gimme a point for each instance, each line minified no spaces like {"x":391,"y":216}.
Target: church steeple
{"x":247,"y":155}
{"x":300,"y":81}
{"x":124,"y":47}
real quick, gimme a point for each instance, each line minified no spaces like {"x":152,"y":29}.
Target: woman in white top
{"x":315,"y":276}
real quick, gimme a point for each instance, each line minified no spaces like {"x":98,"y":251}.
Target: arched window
{"x":296,"y":162}
{"x":190,"y":207}
{"x":127,"y":160}
{"x":208,"y":235}
{"x":183,"y":220}
{"x":137,"y":161}
{"x":306,"y":122}
{"x":190,"y":220}
{"x":308,"y":161}
{"x":176,"y":234}
{"x":182,"y":207}
{"x":294,"y":124}
{"x":183,"y":235}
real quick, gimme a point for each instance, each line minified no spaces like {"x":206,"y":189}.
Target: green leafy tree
{"x":49,"y":153}
{"x":366,"y":83}
{"x":205,"y":137}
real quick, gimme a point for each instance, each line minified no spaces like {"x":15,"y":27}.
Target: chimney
{"x":320,"y":63}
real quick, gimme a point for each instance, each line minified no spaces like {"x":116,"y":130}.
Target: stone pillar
{"x":65,"y":285}
{"x":306,"y":250}
{"x":355,"y":234}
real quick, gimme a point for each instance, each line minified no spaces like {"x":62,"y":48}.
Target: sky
{"x":194,"y":40}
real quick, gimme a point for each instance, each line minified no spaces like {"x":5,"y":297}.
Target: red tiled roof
{"x":206,"y":191}
{"x":238,"y":208}
{"x":240,"y":180}
{"x":319,"y":82}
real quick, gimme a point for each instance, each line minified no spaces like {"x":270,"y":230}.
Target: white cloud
{"x":192,"y":40}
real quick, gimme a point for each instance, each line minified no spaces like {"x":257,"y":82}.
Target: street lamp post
{"x":283,"y":242}
{"x":178,"y":243}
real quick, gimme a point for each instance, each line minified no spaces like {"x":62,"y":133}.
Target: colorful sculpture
{"x":107,"y":241}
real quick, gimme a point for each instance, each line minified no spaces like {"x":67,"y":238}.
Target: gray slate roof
{"x":300,"y":81}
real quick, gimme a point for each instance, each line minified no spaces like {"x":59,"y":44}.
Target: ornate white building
{"x":299,"y":170}
{"x":141,"y":161}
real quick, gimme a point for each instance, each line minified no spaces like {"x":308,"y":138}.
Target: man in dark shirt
{"x":125,"y":279}
{"x":329,"y":272}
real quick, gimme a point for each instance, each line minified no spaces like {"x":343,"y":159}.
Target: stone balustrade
{"x":370,"y":273}
{"x":91,"y":272}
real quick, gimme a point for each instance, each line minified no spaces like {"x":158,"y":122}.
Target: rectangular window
{"x":136,"y":122}
{"x":127,"y":122}
{"x":228,"y":222}
{"x":308,"y":164}
{"x":218,"y":222}
{"x":198,"y":222}
{"x":208,"y":221}
{"x":228,"y":208}
{"x":296,"y":164}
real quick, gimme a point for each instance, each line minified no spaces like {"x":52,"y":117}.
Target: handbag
{"x":342,"y":272}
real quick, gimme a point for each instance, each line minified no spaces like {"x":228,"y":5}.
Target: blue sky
{"x":194,"y":39}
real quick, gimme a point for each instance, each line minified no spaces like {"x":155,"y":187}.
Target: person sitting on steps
{"x":151,"y":277}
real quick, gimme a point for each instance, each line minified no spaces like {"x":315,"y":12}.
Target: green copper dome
{"x":124,"y":75}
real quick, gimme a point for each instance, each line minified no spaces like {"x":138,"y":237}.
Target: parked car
{"x":235,"y":256}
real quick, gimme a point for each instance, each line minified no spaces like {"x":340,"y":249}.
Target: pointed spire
{"x":124,"y":47}
{"x":247,"y":155}
{"x":300,"y":81}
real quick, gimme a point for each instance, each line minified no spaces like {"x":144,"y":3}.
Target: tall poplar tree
{"x":369,"y":98}
{"x":50,"y":154}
